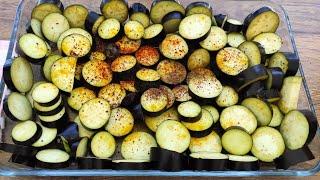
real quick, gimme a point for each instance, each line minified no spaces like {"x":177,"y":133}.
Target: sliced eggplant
{"x":161,"y":8}
{"x":190,"y":111}
{"x":154,"y":122}
{"x":120,"y":122}
{"x":83,"y":131}
{"x":131,"y":164}
{"x":63,"y":72}
{"x":35,"y":27}
{"x":269,"y":95}
{"x":18,"y":76}
{"x":260,"y":109}
{"x":199,"y":58}
{"x":236,"y":141}
{"x":17,"y":107}
{"x":181,"y":93}
{"x":294,"y":129}
{"x":170,"y":95}
{"x":275,"y":78}
{"x":147,"y":55}
{"x":137,"y":146}
{"x":124,"y":66}
{"x":52,"y":159}
{"x":171,"y":21}
{"x":93,"y":21}
{"x":53,"y":25}
{"x":112,"y":51}
{"x":268,"y":144}
{"x":238,"y":115}
{"x":134,"y":30}
{"x":147,"y":78}
{"x":70,"y":32}
{"x":243,"y":163}
{"x":279,"y":60}
{"x":58,"y":120}
{"x":208,"y":161}
{"x":233,"y":25}
{"x":235,"y":39}
{"x":46,"y":94}
{"x":174,"y":47}
{"x":50,"y":110}
{"x":290,"y":93}
{"x":271,"y":42}
{"x":261,"y":21}
{"x":232,"y":61}
{"x":82,"y":149}
{"x":195,"y":26}
{"x":79,"y":96}
{"x":171,"y":72}
{"x":154,"y":34}
{"x":213,"y":111}
{"x":204,"y":123}
{"x":48,"y":135}
{"x":293,"y":64}
{"x":216,"y":40}
{"x":95,"y":113}
{"x":227,"y":97}
{"x":26,"y":133}
{"x":46,"y":8}
{"x":33,"y":47}
{"x":203,"y":83}
{"x":250,"y":76}
{"x":209,"y":143}
{"x":26,"y":151}
{"x":110,"y":29}
{"x":313,"y":124}
{"x":76,"y":45}
{"x":94,"y":163}
{"x":254,"y":51}
{"x":105,"y":140}
{"x":199,"y":7}
{"x":277,"y":116}
{"x":153,"y":101}
{"x":48,"y":64}
{"x":115,"y":9}
{"x":173,"y":135}
{"x":128,"y":46}
{"x":139,"y":12}
{"x":220,"y":19}
{"x":128,"y":86}
{"x":76,"y":15}
{"x":29,"y":94}
{"x":167,"y":160}
{"x":97,"y":73}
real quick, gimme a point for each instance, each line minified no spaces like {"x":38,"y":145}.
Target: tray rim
{"x":6,"y":171}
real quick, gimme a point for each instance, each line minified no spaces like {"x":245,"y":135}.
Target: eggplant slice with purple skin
{"x":171,"y":21}
{"x":94,"y":163}
{"x":46,"y":7}
{"x":26,"y":133}
{"x":206,"y":161}
{"x":93,"y":21}
{"x":139,"y":12}
{"x":166,"y":160}
{"x":52,"y":159}
{"x":243,"y":163}
{"x":17,"y":107}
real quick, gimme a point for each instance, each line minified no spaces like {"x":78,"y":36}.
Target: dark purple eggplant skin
{"x":244,"y":166}
{"x":293,"y":63}
{"x":7,"y":111}
{"x":23,"y":160}
{"x":18,"y":149}
{"x":172,"y":15}
{"x":313,"y":124}
{"x":50,"y":113}
{"x":200,"y":134}
{"x":7,"y":75}
{"x":166,"y":160}
{"x":131,"y":99}
{"x":262,"y":52}
{"x":51,"y":103}
{"x":229,"y":27}
{"x":196,"y":4}
{"x":154,"y":114}
{"x":190,"y":120}
{"x":90,"y":20}
{"x":293,"y":157}
{"x":33,"y":139}
{"x":155,"y":41}
{"x":250,"y":74}
{"x":277,"y":77}
{"x":94,"y":163}
{"x":132,"y":166}
{"x":207,"y":164}
{"x":220,"y":19}
{"x":45,"y":165}
{"x":268,"y":94}
{"x":56,"y":2}
{"x":138,"y":7}
{"x":137,"y":112}
{"x":251,"y":16}
{"x":142,"y":86}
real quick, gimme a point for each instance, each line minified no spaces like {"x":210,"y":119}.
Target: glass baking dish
{"x":235,"y":9}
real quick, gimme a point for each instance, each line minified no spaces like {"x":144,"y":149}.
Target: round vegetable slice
{"x":120,"y":122}
{"x":236,"y":141}
{"x":103,"y":145}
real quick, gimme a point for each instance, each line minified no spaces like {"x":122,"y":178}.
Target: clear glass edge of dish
{"x":6,"y":171}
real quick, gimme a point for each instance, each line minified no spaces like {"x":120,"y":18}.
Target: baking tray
{"x":235,"y":9}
